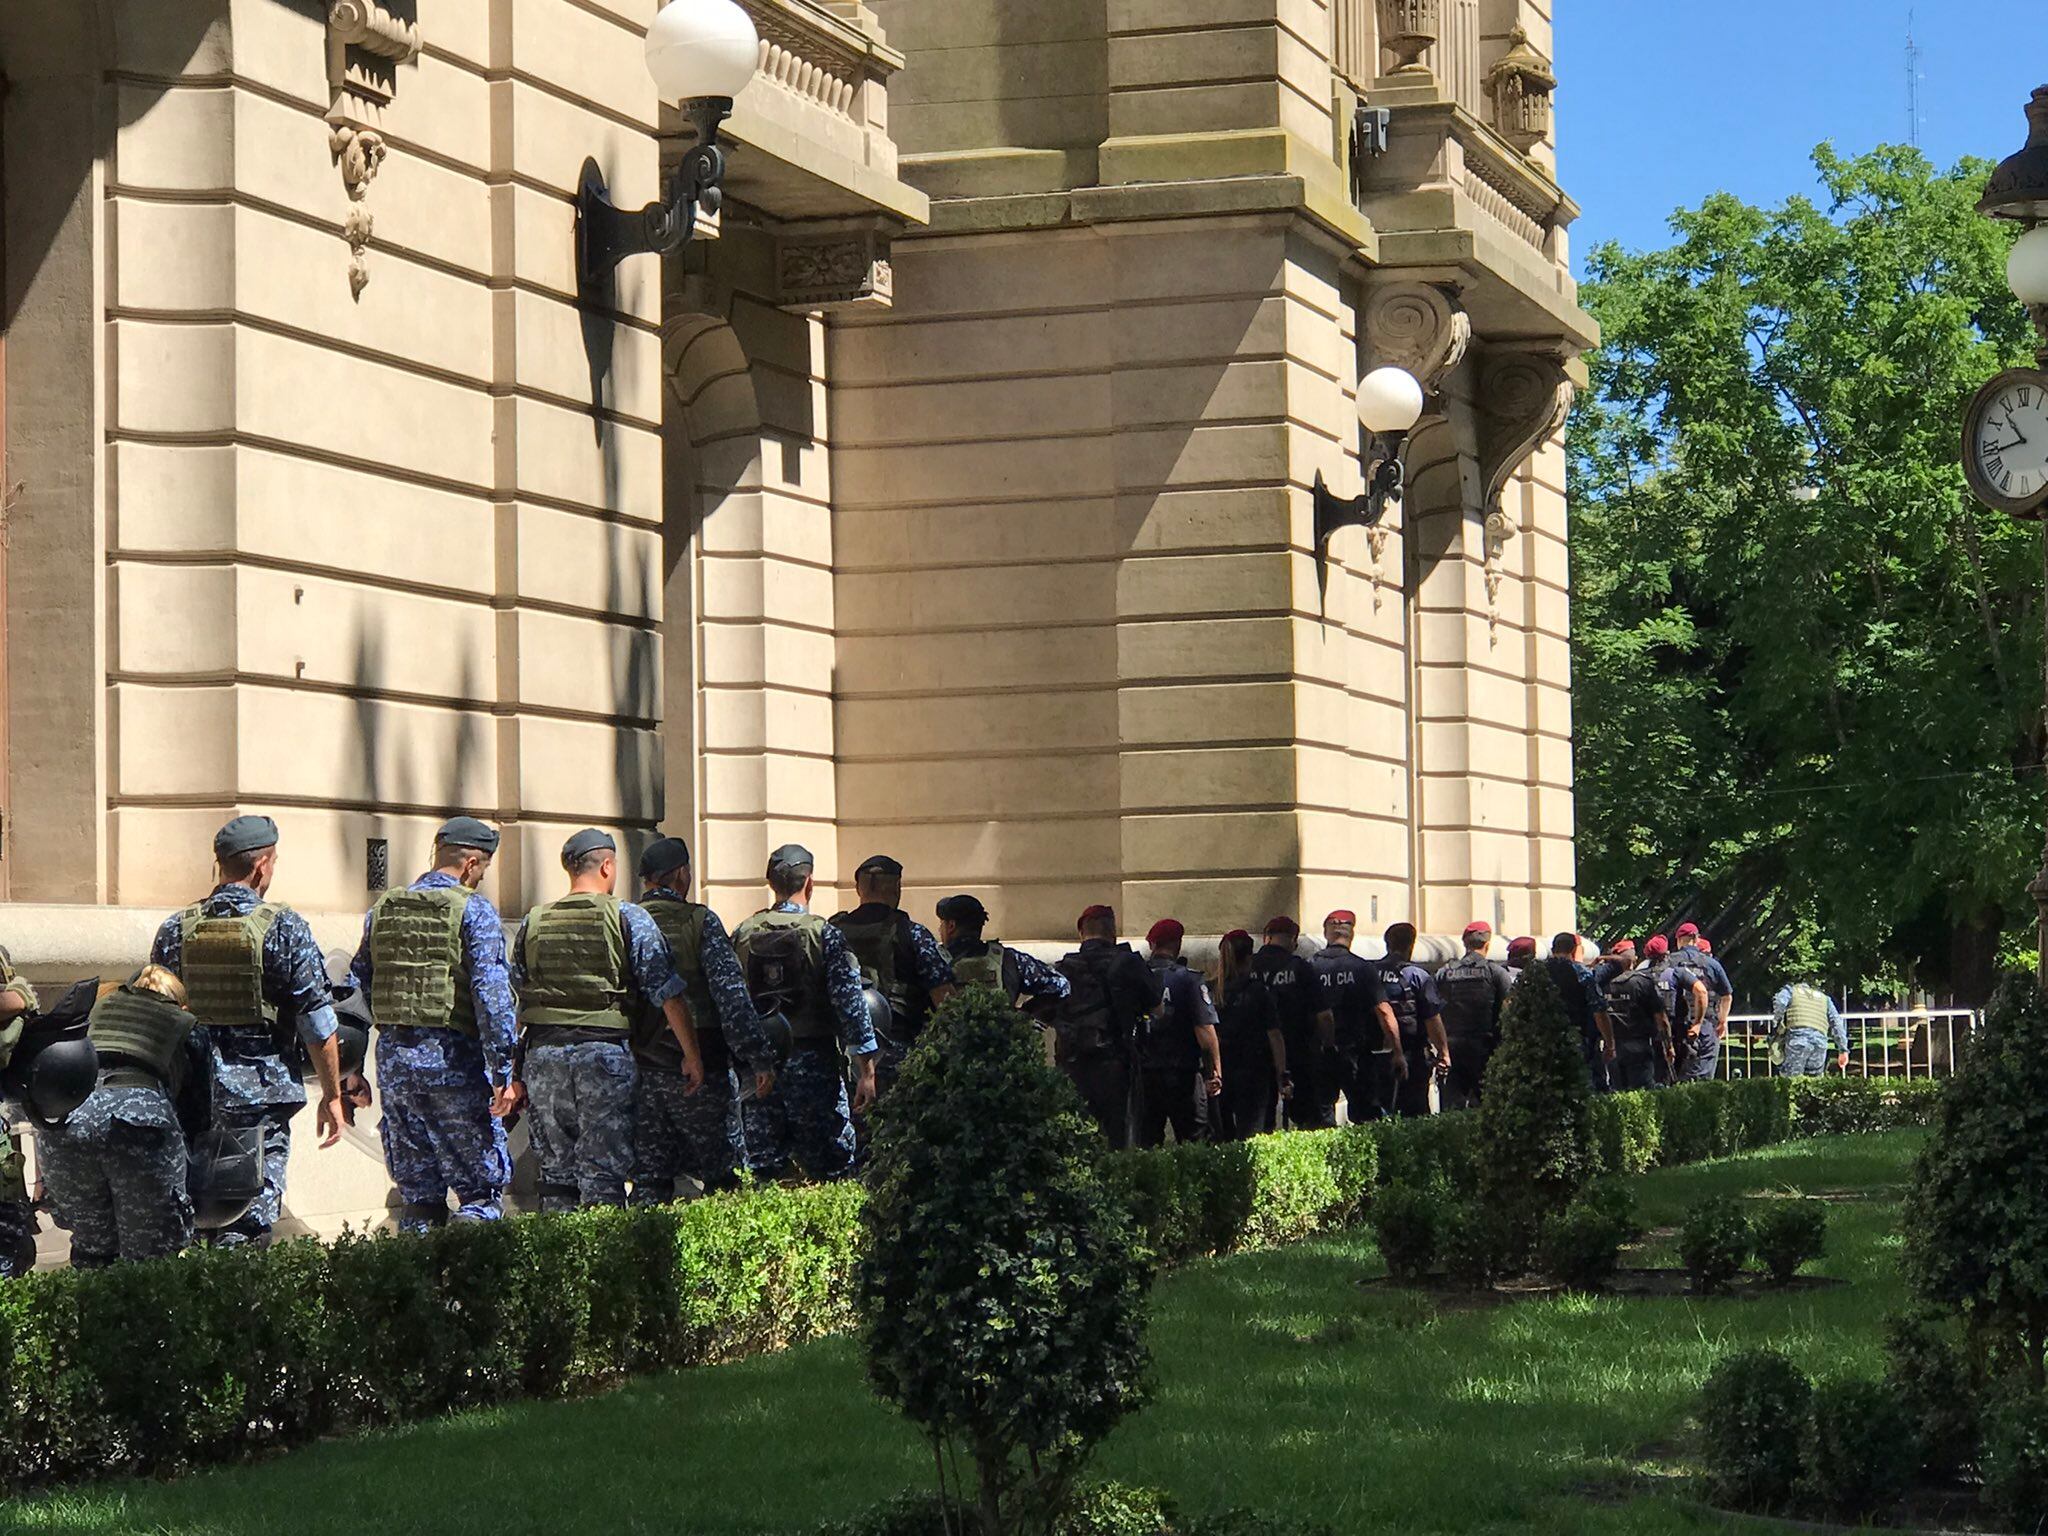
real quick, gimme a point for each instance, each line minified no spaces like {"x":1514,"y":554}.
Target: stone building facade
{"x":951,"y":498}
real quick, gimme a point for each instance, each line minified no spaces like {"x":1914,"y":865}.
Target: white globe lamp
{"x":2027,"y":267}
{"x":702,"y":49}
{"x":1389,"y":401}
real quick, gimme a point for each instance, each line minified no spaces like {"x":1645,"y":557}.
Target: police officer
{"x":898,"y":957}
{"x":982,"y":962}
{"x":432,"y":966}
{"x":676,"y":1131}
{"x":17,"y":1212}
{"x":115,"y":1166}
{"x":798,"y":965}
{"x":584,"y":965}
{"x":1694,"y":953}
{"x":1637,"y":1029}
{"x":1582,"y":1003}
{"x":1473,"y":989}
{"x":1411,"y":993}
{"x":1180,"y":1064}
{"x":1097,"y":1025}
{"x":1521,"y":954}
{"x":1685,"y":1000}
{"x":253,"y":975}
{"x":1254,"y":1051}
{"x":1305,"y":1021}
{"x":1369,"y":1059}
{"x":1806,"y":1018}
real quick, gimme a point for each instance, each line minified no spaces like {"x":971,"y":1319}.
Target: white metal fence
{"x":1898,"y":1042}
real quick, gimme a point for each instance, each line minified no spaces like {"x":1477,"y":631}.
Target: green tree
{"x":1002,"y":1291}
{"x":1807,"y":663}
{"x":1536,"y":1149}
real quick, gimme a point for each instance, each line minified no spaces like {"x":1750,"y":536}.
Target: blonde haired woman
{"x":115,"y":1166}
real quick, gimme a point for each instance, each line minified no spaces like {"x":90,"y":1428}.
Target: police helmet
{"x":352,"y":1028}
{"x":55,"y":1076}
{"x":880,"y":1014}
{"x":780,"y":1037}
{"x":224,"y":1174}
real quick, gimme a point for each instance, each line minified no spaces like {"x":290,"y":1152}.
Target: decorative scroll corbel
{"x":1417,"y":326}
{"x":1523,"y":398}
{"x":366,"y":42}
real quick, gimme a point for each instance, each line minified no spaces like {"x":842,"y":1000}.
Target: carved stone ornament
{"x":1521,"y":83}
{"x":366,"y":42}
{"x":1522,"y":400}
{"x":1419,"y":327}
{"x":838,"y":271}
{"x":1376,"y":545}
{"x":1408,"y":30}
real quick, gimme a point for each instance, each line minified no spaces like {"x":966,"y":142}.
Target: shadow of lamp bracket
{"x":1390,"y":403}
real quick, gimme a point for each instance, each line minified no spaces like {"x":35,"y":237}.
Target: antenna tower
{"x":1912,"y":82}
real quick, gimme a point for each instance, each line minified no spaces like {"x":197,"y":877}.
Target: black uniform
{"x":1170,"y":1091}
{"x":1097,"y":1027}
{"x":1298,"y":993}
{"x":1474,"y":989}
{"x":1246,"y":1016}
{"x":1365,"y":1062}
{"x":1411,"y":992}
{"x":1582,"y":997}
{"x":1634,"y":1000}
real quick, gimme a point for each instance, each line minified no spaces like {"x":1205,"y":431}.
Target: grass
{"x":1281,"y":1384}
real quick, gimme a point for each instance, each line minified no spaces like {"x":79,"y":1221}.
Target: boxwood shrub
{"x":214,"y":1356}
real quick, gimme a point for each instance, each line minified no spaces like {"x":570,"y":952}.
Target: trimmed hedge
{"x":278,"y":1348}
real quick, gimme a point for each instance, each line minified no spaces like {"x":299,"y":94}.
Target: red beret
{"x":1167,"y":930}
{"x":1706,"y":945}
{"x":1656,"y":944}
{"x":1235,"y":933}
{"x":1688,"y":930}
{"x":1624,"y":947}
{"x":1477,"y":926}
{"x":1096,"y":913}
{"x":1522,"y":946}
{"x":1341,"y":916}
{"x":1282,"y":925}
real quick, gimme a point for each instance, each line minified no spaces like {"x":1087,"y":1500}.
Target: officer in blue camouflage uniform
{"x":584,"y":965}
{"x":17,"y":1213}
{"x":979,"y":961}
{"x":676,"y":1131}
{"x":1411,"y":993}
{"x":253,"y":974}
{"x":115,"y":1166}
{"x":1705,"y":1055}
{"x":432,"y":964}
{"x":897,"y":956}
{"x":798,"y":964}
{"x":1807,"y":1022}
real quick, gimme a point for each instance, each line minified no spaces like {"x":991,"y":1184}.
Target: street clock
{"x":2005,"y":442}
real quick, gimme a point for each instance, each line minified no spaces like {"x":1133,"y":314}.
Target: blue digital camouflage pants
{"x":808,"y":1114}
{"x":437,"y":1127}
{"x":1806,"y":1054}
{"x":676,"y":1132}
{"x":17,"y":1215}
{"x":582,"y":1126}
{"x":255,"y":1086}
{"x":115,"y":1171}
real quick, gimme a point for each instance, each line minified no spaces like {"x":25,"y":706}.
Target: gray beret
{"x":245,"y":834}
{"x":589,"y":840}
{"x":664,"y":856}
{"x":791,"y":856}
{"x":467,"y":832}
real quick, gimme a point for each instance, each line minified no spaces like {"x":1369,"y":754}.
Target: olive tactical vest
{"x":574,"y":954}
{"x":982,"y":970}
{"x":783,"y":956}
{"x":139,"y":1028}
{"x":418,"y":978}
{"x":876,"y":948}
{"x":1806,"y":1009}
{"x":223,"y":966}
{"x":682,"y":925}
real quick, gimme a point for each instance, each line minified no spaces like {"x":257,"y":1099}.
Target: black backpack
{"x":779,"y":972}
{"x":1085,"y":1019}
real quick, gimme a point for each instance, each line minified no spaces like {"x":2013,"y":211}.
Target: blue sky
{"x":1661,"y":102}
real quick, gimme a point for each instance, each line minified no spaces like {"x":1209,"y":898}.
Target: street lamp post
{"x":701,"y":54}
{"x":1389,"y":404}
{"x":2018,"y":190}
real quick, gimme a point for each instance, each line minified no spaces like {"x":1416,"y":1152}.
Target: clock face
{"x":2005,"y":447}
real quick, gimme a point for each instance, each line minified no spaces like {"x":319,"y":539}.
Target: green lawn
{"x":1282,"y":1383}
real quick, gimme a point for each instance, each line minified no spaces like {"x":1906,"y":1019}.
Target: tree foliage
{"x":1807,"y":663}
{"x":1536,"y":1140}
{"x":1002,"y":1291}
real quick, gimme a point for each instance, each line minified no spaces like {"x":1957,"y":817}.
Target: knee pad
{"x":652,"y":1192}
{"x":428,"y":1213}
{"x":557,"y":1197}
{"x":17,"y":1256}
